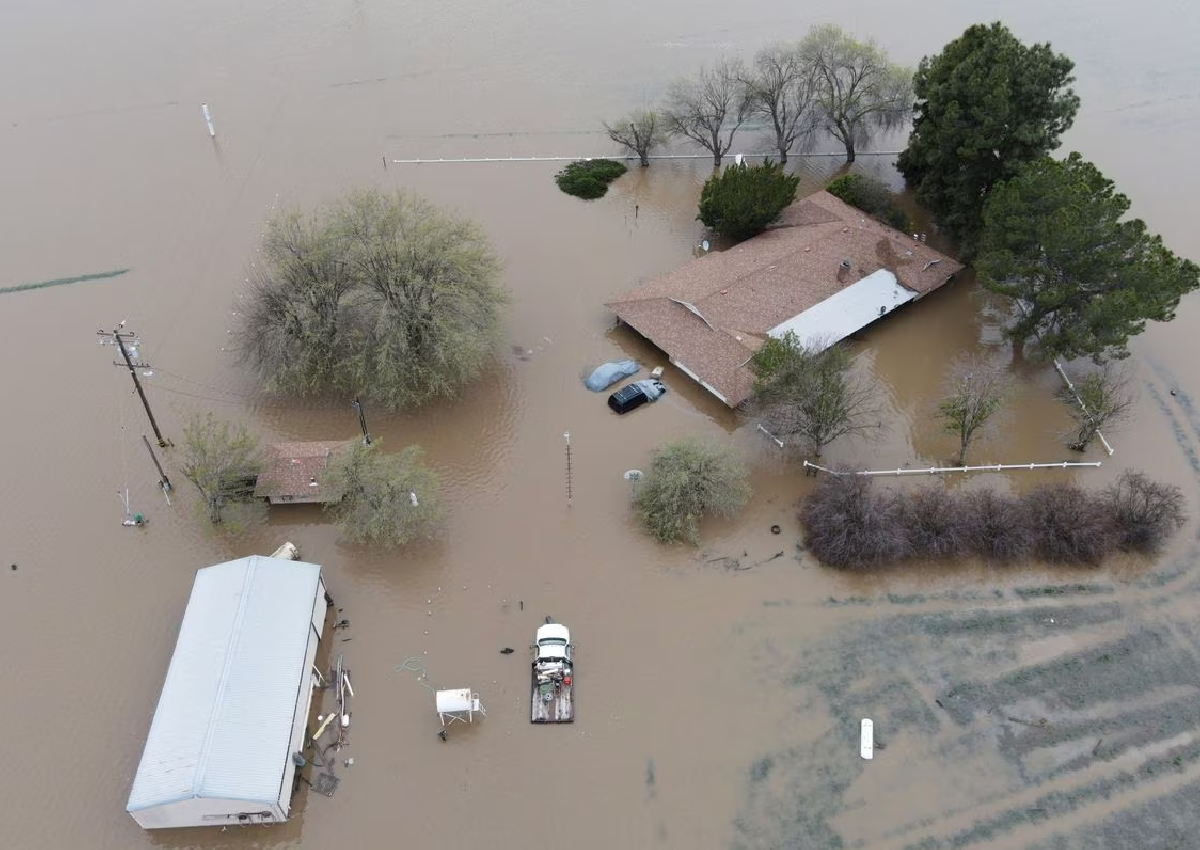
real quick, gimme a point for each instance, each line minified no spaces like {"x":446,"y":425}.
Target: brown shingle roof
{"x":742,"y":293}
{"x":291,"y":468}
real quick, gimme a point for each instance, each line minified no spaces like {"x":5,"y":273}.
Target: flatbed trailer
{"x":552,"y":676}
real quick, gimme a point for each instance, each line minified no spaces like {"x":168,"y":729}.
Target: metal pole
{"x":362,"y":420}
{"x":163,"y":442}
{"x":164,"y":481}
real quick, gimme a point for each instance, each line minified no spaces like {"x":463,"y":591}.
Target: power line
{"x":232,"y":400}
{"x":195,"y":382}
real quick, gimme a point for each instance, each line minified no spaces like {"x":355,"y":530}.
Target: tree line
{"x":1049,"y":234}
{"x":827,"y":81}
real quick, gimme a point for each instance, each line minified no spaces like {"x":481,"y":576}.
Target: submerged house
{"x":295,"y":473}
{"x":823,"y":272}
{"x":235,"y":703}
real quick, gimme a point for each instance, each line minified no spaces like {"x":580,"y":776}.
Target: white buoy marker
{"x":208,"y":120}
{"x":867,"y":744}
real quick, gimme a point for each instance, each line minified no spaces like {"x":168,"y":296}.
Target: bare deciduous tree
{"x":709,"y":110}
{"x":781,"y":88}
{"x":975,"y":389}
{"x":1102,"y":397}
{"x":858,"y":89}
{"x":640,"y":132}
{"x":811,"y":393}
{"x":222,"y":461}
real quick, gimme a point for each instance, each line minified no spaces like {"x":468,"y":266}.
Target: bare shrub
{"x":848,"y":524}
{"x":1146,"y":513}
{"x":997,"y":525}
{"x":1070,"y":526}
{"x":933,"y":521}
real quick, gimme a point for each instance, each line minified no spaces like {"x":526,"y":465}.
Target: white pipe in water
{"x":208,"y":120}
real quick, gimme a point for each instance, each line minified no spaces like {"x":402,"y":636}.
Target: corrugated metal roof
{"x":223,"y":724}
{"x":847,"y":311}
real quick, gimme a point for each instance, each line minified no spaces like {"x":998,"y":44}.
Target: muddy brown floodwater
{"x":718,"y":708}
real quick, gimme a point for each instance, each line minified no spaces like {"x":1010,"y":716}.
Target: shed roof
{"x":713,"y":313}
{"x":223,"y":725}
{"x":297,"y":469}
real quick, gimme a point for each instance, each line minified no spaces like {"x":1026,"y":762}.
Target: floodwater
{"x":718,"y":707}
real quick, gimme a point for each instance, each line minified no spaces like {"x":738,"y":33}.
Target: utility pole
{"x":362,"y":420}
{"x":119,"y":337}
{"x":163,"y":480}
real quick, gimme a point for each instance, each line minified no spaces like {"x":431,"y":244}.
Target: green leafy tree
{"x":686,"y":480}
{"x":870,"y":195}
{"x":975,"y":390}
{"x":382,"y":295}
{"x":810,"y":394}
{"x":859,"y":91}
{"x":743,"y":199}
{"x":1082,"y":279}
{"x":223,"y":461}
{"x":384,"y":499}
{"x":639,"y":132}
{"x":985,"y":106}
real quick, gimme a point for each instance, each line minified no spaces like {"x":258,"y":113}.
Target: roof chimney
{"x":845,"y":264}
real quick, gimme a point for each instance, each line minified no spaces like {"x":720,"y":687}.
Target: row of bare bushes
{"x":850,"y":523}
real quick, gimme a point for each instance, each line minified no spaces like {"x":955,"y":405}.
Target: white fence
{"x":939,"y":470}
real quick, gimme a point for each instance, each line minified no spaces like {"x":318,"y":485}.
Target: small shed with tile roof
{"x":824,"y":271}
{"x":295,"y":473}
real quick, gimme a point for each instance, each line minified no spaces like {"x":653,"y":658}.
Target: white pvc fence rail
{"x":630,"y":157}
{"x":938,"y":470}
{"x":1082,"y":406}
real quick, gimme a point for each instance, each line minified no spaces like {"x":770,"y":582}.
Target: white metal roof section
{"x":224,"y":720}
{"x":848,"y":310}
